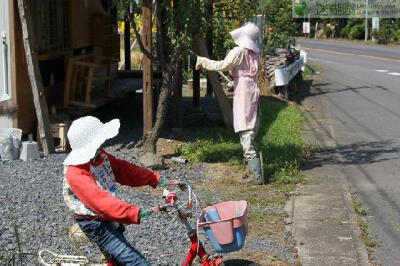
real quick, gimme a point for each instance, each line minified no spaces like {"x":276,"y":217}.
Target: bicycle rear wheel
{"x":238,"y":262}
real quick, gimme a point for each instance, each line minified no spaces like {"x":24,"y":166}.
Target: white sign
{"x":345,"y":8}
{"x":375,"y":23}
{"x":306,"y":27}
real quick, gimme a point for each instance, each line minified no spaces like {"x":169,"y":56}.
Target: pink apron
{"x":246,"y":93}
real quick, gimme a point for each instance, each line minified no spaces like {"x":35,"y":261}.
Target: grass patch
{"x":362,"y":212}
{"x":310,"y":69}
{"x":280,"y":139}
{"x":288,"y":175}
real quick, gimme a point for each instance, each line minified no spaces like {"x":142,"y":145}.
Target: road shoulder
{"x":321,"y":215}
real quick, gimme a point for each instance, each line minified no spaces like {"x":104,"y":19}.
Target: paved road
{"x":360,"y":85}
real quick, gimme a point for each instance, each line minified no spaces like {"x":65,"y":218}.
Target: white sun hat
{"x":86,"y":135}
{"x":246,"y":36}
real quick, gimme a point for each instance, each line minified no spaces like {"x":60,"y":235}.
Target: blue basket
{"x":237,"y":244}
{"x":226,"y":234}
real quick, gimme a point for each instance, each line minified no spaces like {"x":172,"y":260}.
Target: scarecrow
{"x":243,"y":61}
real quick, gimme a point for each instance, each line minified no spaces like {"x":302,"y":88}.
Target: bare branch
{"x":139,"y":40}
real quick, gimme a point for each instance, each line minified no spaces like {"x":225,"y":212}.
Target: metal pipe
{"x":366,"y":20}
{"x":179,"y":160}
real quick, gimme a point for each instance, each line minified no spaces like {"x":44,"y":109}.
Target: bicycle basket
{"x":225,"y":225}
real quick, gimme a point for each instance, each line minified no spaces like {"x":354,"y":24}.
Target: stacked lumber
{"x":269,"y":62}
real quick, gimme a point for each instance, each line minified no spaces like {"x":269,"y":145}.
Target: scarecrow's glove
{"x":199,"y":62}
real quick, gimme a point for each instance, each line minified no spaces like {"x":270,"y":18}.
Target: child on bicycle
{"x":89,"y":189}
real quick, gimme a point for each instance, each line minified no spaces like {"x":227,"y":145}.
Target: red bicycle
{"x":196,"y":247}
{"x":171,"y":206}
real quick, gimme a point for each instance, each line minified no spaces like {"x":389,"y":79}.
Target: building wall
{"x":6,"y":121}
{"x":26,"y":116}
{"x":81,"y":21}
{"x":6,"y":93}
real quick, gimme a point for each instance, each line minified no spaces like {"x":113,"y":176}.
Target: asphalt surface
{"x":360,"y":85}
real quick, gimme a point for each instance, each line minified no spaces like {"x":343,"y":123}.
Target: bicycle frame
{"x":196,"y":248}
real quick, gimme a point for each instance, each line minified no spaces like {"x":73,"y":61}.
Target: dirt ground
{"x":268,"y":242}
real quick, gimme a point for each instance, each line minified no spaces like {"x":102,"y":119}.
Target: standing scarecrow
{"x":243,"y":61}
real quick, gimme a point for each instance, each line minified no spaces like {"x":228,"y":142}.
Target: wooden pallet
{"x":80,"y":77}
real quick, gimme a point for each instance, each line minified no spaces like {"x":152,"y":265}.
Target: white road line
{"x":318,"y":59}
{"x":382,"y":70}
{"x":394,"y":73}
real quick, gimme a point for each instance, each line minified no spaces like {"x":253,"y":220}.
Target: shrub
{"x":344,"y":33}
{"x":280,"y":26}
{"x":397,"y":37}
{"x":328,"y":31}
{"x":357,"y":32}
{"x":278,"y":40}
{"x":386,"y":34}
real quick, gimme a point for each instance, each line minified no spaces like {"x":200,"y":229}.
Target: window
{"x":4,"y":86}
{"x":4,"y":69}
{"x":51,"y":25}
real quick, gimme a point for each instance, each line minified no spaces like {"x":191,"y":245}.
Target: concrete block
{"x":29,"y":151}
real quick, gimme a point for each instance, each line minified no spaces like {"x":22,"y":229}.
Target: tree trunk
{"x":177,"y":113}
{"x":166,"y":88}
{"x":209,"y":38}
{"x":177,"y":81}
{"x":167,"y":83}
{"x":127,"y":43}
{"x":196,"y":86}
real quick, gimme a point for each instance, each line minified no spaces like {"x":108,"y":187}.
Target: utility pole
{"x":366,"y":20}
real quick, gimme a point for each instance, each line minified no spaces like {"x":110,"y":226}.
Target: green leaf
{"x":299,"y":11}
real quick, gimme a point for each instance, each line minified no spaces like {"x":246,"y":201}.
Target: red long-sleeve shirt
{"x":100,"y":201}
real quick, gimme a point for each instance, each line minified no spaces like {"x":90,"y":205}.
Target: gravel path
{"x":31,"y":201}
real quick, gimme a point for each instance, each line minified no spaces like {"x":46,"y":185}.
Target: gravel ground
{"x":31,"y":201}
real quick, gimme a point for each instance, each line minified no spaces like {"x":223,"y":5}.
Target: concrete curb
{"x":359,"y":244}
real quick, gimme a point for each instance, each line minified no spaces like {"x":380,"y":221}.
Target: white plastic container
{"x":10,"y":143}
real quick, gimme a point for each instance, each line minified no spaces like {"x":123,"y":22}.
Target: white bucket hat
{"x":246,"y":36}
{"x":86,"y":135}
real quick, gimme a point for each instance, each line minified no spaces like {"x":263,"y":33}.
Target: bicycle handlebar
{"x":189,"y":187}
{"x":172,"y":204}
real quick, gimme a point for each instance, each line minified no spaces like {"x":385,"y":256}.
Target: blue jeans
{"x":111,"y":241}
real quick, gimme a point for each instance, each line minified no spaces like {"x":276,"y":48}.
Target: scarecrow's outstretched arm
{"x":232,"y":60}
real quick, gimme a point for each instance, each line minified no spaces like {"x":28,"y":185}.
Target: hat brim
{"x":246,"y":42}
{"x":86,"y":153}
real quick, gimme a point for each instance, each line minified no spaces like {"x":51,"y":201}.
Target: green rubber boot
{"x":255,"y":177}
